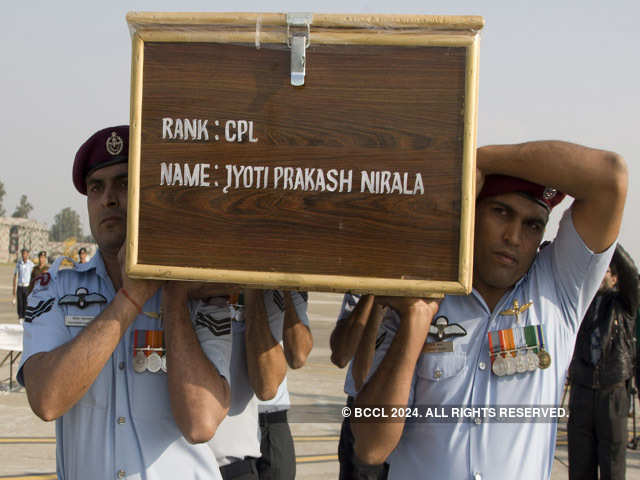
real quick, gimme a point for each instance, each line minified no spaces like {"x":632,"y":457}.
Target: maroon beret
{"x":548,"y":197}
{"x":105,"y":147}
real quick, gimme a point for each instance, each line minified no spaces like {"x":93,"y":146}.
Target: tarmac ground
{"x":27,"y":444}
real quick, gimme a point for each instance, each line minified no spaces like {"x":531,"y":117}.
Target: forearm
{"x":56,"y":380}
{"x":347,"y":333}
{"x":363,"y":358}
{"x":266,"y":362}
{"x":199,"y":395}
{"x":579,"y":171}
{"x":297,"y":342}
{"x":296,"y":336}
{"x":597,"y":180}
{"x":390,"y":385}
{"x":15,"y":284}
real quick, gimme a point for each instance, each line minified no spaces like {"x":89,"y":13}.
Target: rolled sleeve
{"x":300,"y":303}
{"x":44,"y":328}
{"x":212,"y":324}
{"x":577,"y":270}
{"x":349,"y":302}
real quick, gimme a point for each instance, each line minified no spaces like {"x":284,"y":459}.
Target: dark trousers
{"x":278,"y":461}
{"x":597,"y":432}
{"x":241,"y":470}
{"x":350,"y":468}
{"x":21,"y":300}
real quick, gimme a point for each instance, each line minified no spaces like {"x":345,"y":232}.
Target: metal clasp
{"x":298,"y":42}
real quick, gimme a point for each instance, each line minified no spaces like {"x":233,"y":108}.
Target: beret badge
{"x":114,"y":144}
{"x":549,"y":193}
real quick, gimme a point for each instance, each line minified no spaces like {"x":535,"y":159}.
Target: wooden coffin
{"x":311,"y":152}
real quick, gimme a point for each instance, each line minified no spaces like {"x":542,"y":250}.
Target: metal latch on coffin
{"x":298,"y":40}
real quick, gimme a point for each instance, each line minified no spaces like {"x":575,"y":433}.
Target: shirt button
{"x":477,"y":476}
{"x":437,"y":373}
{"x":121,"y":420}
{"x":121,"y":473}
{"x":482,"y":366}
{"x":121,"y":365}
{"x":478,"y":421}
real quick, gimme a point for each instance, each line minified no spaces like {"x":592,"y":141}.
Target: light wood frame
{"x":409,"y":30}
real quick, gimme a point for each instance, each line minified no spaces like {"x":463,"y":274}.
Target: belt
{"x":236,"y":469}
{"x":273,"y":417}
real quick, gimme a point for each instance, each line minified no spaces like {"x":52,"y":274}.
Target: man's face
{"x":609,"y":281}
{"x":509,"y":229}
{"x":25,"y":255}
{"x":107,"y":205}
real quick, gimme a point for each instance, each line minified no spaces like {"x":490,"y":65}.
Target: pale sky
{"x":567,"y":72}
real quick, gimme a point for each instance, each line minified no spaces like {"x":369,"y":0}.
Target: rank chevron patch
{"x":43,"y":306}
{"x":278,"y":299}
{"x":217,"y":326}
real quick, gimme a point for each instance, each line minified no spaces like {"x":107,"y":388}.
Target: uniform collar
{"x":96,"y":263}
{"x":506,"y":298}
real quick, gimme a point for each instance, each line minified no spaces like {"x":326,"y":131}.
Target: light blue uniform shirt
{"x":561,"y":283}
{"x":123,"y":426}
{"x":23,"y":270}
{"x":274,"y":304}
{"x":238,"y":436}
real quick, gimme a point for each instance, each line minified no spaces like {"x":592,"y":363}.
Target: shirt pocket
{"x":149,"y":391}
{"x":433,"y":368}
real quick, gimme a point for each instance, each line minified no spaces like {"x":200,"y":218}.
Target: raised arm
{"x":596,"y":179}
{"x":345,"y":337}
{"x":57,"y":379}
{"x":363,"y":359}
{"x":296,"y":336}
{"x":198,"y":393}
{"x":390,"y":385}
{"x":266,"y":363}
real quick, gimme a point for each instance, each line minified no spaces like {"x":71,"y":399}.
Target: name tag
{"x":77,"y":320}
{"x":438,"y":347}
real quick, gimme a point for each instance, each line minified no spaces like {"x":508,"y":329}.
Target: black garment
{"x":21,"y":300}
{"x":611,"y":317}
{"x":600,"y":373}
{"x":598,"y":432}
{"x":242,"y":470}
{"x":278,"y":461}
{"x":350,"y":468}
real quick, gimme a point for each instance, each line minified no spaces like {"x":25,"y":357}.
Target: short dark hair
{"x":24,"y":250}
{"x":82,"y":249}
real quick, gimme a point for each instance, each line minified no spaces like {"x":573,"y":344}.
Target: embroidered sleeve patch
{"x":34,"y":312}
{"x":278,"y":299}
{"x":217,"y":326}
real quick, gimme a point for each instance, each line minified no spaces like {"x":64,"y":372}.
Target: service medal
{"x":499,"y":367}
{"x":164,"y":363}
{"x":139,"y":362}
{"x":521,"y":363}
{"x":544,"y":358}
{"x":532,"y":361}
{"x":154,"y":362}
{"x":510,"y":362}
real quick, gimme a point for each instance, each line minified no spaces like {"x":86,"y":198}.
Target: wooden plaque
{"x":362,"y":179}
